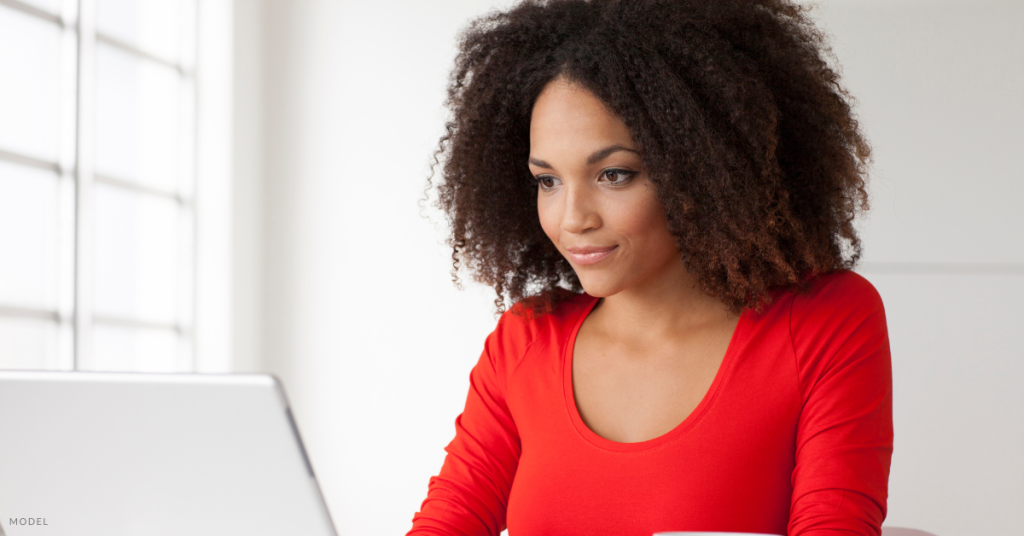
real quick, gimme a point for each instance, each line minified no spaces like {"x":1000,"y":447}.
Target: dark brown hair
{"x":745,"y":130}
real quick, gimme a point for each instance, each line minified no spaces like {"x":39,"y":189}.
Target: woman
{"x":665,"y":190}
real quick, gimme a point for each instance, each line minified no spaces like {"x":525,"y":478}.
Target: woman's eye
{"x":617,"y":176}
{"x":546,"y":182}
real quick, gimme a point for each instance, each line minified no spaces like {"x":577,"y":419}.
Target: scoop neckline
{"x":698,"y":412}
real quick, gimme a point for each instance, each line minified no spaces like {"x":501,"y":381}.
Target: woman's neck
{"x":661,"y":308}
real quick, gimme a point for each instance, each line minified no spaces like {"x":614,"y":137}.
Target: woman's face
{"x":594,"y":199}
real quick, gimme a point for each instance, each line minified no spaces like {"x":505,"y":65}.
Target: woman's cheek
{"x":548,"y":221}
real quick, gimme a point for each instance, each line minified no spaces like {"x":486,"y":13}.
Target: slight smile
{"x":587,"y":256}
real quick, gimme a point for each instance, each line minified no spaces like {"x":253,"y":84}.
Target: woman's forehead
{"x":568,"y":117}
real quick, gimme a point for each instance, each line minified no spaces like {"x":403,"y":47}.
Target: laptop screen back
{"x":124,"y":454}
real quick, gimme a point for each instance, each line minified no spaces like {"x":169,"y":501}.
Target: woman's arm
{"x":844,"y":437}
{"x":470,"y":494}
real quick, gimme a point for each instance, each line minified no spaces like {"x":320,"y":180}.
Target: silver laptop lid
{"x":126,"y":454}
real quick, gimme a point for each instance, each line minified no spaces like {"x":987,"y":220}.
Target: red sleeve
{"x":470,"y":494}
{"x":844,"y":436}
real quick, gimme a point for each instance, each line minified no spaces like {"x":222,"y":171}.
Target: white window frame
{"x":206,"y":328}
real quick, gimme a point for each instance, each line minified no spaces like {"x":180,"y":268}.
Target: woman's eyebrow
{"x":592,"y":159}
{"x":604,"y":153}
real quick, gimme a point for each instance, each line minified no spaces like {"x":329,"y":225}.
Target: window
{"x":98,"y":130}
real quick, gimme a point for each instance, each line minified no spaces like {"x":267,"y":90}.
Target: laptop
{"x":132,"y":454}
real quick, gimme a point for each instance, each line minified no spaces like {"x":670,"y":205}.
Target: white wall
{"x":214,"y":187}
{"x":342,"y":288}
{"x":247,"y":249}
{"x":941,"y":92}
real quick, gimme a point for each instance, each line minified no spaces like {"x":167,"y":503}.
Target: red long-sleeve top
{"x":794,"y":436}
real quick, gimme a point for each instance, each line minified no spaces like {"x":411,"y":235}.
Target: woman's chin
{"x":600,"y":288}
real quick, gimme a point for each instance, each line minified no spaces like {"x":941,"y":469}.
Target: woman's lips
{"x":593,"y":256}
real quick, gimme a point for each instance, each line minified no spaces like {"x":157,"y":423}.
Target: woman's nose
{"x":579,"y":211}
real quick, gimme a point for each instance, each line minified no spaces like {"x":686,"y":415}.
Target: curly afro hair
{"x":746,"y":132}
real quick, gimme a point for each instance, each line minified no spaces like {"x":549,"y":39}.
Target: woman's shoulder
{"x":552,"y":305}
{"x":836,"y":296}
{"x":524,"y":322}
{"x":550,"y":308}
{"x":841,"y":289}
{"x":837,"y":313}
